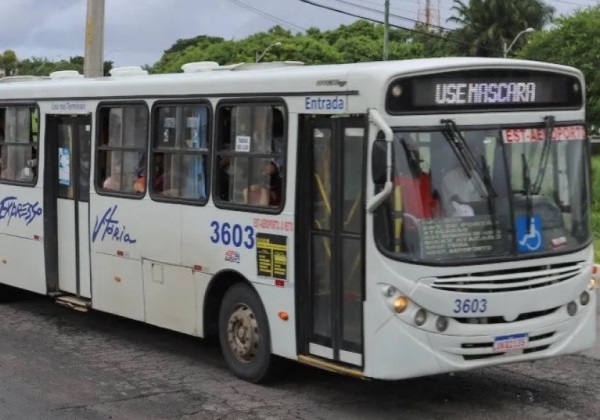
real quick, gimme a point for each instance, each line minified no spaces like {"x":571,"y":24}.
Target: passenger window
{"x":180,"y":152}
{"x":250,"y":157}
{"x":122,"y":145}
{"x":19,"y":144}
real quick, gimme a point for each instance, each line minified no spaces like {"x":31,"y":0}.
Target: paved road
{"x":59,"y":364}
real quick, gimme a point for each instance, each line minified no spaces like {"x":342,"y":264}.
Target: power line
{"x":442,"y":28}
{"x":415,"y":31}
{"x":378,"y":3}
{"x":572,"y":3}
{"x":268,"y":16}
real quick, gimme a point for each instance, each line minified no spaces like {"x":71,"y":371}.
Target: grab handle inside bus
{"x":376,"y":118}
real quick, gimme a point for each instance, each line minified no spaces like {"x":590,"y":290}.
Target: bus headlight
{"x":400,"y":304}
{"x":420,"y":317}
{"x":572,"y":308}
{"x":441,"y":323}
{"x":584,"y":298}
{"x":390,"y":291}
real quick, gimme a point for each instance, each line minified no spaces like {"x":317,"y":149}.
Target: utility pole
{"x":386,"y":30}
{"x":93,"y":62}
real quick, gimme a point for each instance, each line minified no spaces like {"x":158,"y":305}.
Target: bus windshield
{"x":462,"y":194}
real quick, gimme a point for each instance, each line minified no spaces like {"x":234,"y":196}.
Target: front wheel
{"x":244,"y":335}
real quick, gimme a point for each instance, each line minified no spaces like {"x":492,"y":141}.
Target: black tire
{"x":254,"y":363}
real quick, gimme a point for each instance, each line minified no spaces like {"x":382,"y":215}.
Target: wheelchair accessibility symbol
{"x":529,"y":235}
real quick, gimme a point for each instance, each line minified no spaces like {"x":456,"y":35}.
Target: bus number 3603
{"x":235,"y":235}
{"x":470,"y":306}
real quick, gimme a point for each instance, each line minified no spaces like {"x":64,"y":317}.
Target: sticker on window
{"x":242,"y":143}
{"x":529,"y":234}
{"x":64,"y":166}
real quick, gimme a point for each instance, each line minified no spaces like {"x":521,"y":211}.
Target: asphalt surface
{"x":60,"y":364}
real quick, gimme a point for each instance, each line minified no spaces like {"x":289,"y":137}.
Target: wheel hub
{"x":242,"y":333}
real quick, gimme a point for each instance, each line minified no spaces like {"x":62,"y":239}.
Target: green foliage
{"x":595,"y":214}
{"x":435,"y":43}
{"x":485,"y":25}
{"x":359,"y":41}
{"x":8,"y":62}
{"x":575,"y":41}
{"x":193,"y":47}
{"x":40,"y":66}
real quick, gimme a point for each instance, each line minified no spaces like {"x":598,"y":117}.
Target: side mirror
{"x":379,"y":162}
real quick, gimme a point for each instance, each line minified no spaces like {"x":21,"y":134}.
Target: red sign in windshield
{"x":525,"y":135}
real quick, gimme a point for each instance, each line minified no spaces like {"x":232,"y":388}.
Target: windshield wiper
{"x":539,"y":178}
{"x":465,"y":156}
{"x":527,"y":191}
{"x":491,"y":193}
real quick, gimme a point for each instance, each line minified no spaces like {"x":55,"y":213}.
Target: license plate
{"x":510,"y":342}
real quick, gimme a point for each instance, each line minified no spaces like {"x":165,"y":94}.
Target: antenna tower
{"x":429,"y":15}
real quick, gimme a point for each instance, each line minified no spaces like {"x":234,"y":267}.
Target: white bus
{"x":382,"y":220}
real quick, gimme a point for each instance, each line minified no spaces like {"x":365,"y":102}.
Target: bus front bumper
{"x":399,"y":350}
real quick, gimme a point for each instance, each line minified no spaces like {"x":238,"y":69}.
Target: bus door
{"x":66,"y":192}
{"x":330,"y":232}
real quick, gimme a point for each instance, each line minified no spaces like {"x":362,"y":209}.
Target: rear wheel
{"x":244,"y":335}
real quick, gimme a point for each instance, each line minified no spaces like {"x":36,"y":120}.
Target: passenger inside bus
{"x":139,"y":185}
{"x":159,"y":173}
{"x":457,"y":189}
{"x":251,"y":173}
{"x":412,"y":198}
{"x":113,"y":182}
{"x":269,"y":192}
{"x":29,"y":171}
{"x":418,"y":199}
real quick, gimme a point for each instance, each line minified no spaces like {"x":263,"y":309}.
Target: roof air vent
{"x":199,"y":66}
{"x":66,"y":74}
{"x":127,"y":71}
{"x":25,"y":78}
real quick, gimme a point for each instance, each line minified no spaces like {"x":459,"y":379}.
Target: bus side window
{"x":250,"y":155}
{"x":180,"y":152}
{"x":122,"y":144}
{"x":18,"y":144}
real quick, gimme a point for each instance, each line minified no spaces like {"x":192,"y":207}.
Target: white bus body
{"x":308,"y":275}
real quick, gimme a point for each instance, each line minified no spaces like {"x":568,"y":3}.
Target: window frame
{"x":217,"y":152}
{"x":181,"y":103}
{"x":98,"y":147}
{"x":32,"y":144}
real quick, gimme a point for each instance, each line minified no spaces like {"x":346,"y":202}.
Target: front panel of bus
{"x":481,"y":252}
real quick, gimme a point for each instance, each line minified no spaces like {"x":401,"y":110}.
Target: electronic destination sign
{"x":483,"y":90}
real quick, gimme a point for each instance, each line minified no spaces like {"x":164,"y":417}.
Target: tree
{"x":190,"y":47}
{"x":574,"y":41}
{"x":182,"y":44}
{"x":485,"y":25}
{"x":435,"y":43}
{"x":41,"y":66}
{"x":8,"y":62}
{"x":359,"y":41}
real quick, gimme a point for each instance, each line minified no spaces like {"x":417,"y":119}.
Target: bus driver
{"x":458,"y":188}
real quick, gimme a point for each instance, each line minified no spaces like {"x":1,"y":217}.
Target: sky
{"x":138,"y":31}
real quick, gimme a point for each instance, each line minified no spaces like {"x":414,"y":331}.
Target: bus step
{"x":74,"y":302}
{"x":330,"y":366}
